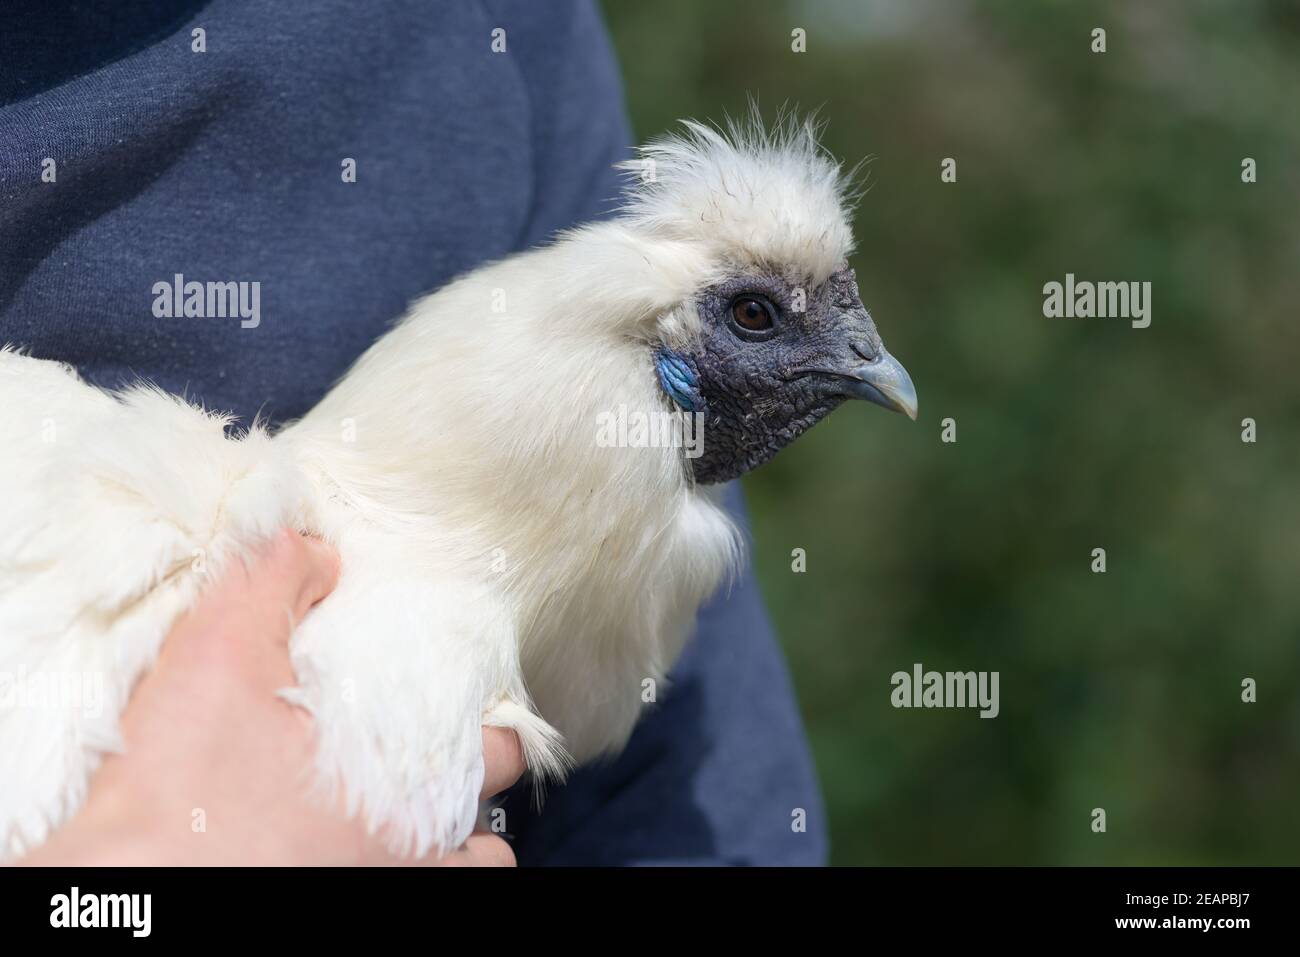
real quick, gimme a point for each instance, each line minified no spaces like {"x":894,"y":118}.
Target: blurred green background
{"x":1119,"y":690}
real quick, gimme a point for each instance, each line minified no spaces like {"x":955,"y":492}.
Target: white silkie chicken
{"x":500,"y":564}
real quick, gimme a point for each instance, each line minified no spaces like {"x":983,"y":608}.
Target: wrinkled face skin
{"x":771,"y":366}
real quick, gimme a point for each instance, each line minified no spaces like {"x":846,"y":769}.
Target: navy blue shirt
{"x":227,"y":166}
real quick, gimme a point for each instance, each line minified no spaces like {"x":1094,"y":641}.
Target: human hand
{"x":217,"y":767}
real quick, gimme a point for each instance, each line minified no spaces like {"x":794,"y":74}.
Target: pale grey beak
{"x":885,"y":382}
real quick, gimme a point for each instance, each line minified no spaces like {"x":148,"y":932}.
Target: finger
{"x":481,"y":850}
{"x":503,"y":760}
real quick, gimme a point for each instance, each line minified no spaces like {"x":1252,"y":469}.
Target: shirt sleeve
{"x":579,"y":124}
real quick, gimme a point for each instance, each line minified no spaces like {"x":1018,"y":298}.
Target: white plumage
{"x":498,"y":566}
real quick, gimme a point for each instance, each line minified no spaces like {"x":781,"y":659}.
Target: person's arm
{"x":217,"y":769}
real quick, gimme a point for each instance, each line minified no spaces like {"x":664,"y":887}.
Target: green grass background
{"x":1122,"y":690}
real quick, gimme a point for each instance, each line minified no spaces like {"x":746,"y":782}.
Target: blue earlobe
{"x":678,"y":380}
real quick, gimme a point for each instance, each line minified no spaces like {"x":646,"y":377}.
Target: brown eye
{"x":751,"y":314}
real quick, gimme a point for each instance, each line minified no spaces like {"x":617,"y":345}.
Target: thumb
{"x":318,"y":564}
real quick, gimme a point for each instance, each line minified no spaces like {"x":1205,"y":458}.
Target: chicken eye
{"x":752,"y":314}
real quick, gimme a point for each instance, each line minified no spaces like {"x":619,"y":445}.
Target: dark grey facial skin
{"x":761,"y":390}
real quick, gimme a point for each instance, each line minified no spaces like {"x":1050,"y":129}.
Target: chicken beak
{"x":885,"y":382}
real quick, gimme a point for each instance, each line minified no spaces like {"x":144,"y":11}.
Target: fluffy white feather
{"x":498,"y":565}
